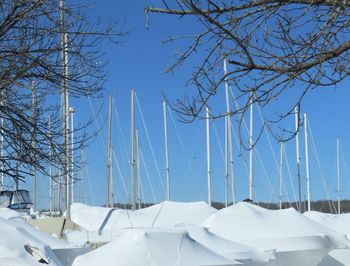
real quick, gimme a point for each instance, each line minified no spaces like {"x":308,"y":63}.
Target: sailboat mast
{"x":307,"y":164}
{"x":167,"y":170}
{"x":338,"y":173}
{"x":109,"y":155}
{"x":71,"y":112}
{"x":138,"y":170}
{"x":226,"y":163}
{"x":281,"y":172}
{"x":33,"y":146}
{"x":251,"y":148}
{"x":133,"y":151}
{"x":65,"y":108}
{"x":2,"y":149}
{"x":229,"y":135}
{"x":296,"y":110}
{"x":208,"y":154}
{"x":50,"y":165}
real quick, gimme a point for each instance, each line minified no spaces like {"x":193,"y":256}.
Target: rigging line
{"x":324,"y":182}
{"x":219,"y":143}
{"x":346,"y":169}
{"x":256,"y":150}
{"x":121,"y":177}
{"x":150,"y":145}
{"x":90,"y":187}
{"x":188,"y":161}
{"x":265,"y":175}
{"x":142,"y":196}
{"x":148,"y":176}
{"x":97,"y":125}
{"x":269,"y":141}
{"x":119,"y":127}
{"x":289,"y":175}
{"x":104,"y":145}
{"x":125,"y":189}
{"x":240,"y":154}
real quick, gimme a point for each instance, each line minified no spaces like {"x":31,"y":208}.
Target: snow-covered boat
{"x":296,"y":239}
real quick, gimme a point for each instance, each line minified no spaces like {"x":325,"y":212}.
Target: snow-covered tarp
{"x":336,"y":222}
{"x":23,"y":244}
{"x":153,"y":247}
{"x":227,"y":248}
{"x":165,"y":214}
{"x":296,"y":239}
{"x":339,"y":223}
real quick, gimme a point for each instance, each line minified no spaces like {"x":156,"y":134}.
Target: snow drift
{"x":296,"y":239}
{"x":151,"y":247}
{"x":339,"y":223}
{"x":165,"y":214}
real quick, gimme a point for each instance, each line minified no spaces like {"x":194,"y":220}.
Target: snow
{"x":252,"y":224}
{"x":23,"y":244}
{"x":336,"y":222}
{"x":14,"y":238}
{"x":165,"y":214}
{"x":339,"y":223}
{"x":174,"y":233}
{"x":296,"y":239}
{"x":225,"y":247}
{"x":145,"y":247}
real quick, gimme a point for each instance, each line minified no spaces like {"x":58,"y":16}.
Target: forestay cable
{"x":150,"y":145}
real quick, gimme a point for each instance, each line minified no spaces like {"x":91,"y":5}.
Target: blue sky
{"x":139,"y":64}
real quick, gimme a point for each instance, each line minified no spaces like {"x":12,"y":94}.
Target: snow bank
{"x":23,"y":244}
{"x":145,"y":247}
{"x":20,"y":247}
{"x":297,"y":239}
{"x":336,"y":222}
{"x":165,"y":214}
{"x":339,"y":223}
{"x":225,"y":247}
{"x":252,"y":224}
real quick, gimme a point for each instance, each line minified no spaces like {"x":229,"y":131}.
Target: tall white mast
{"x":50,"y":165}
{"x":2,"y":147}
{"x":208,"y":155}
{"x":251,"y":189}
{"x":33,"y":144}
{"x":229,"y":135}
{"x":338,"y":174}
{"x":226,"y":163}
{"x":65,"y":108}
{"x":133,"y":151}
{"x":71,"y":111}
{"x":167,"y":170}
{"x":307,"y":165}
{"x":109,"y":156}
{"x":298,"y":153}
{"x":138,"y":170}
{"x":281,"y":172}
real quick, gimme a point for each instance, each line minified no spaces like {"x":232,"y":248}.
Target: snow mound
{"x":165,"y":214}
{"x":145,"y":247}
{"x":336,"y":222}
{"x":252,"y":224}
{"x":225,"y":247}
{"x":21,"y":247}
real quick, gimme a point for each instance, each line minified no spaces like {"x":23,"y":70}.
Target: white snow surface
{"x":225,"y":247}
{"x":339,"y":223}
{"x":165,"y":214}
{"x":283,"y":230}
{"x":15,"y":235}
{"x":153,"y":247}
{"x":336,"y":222}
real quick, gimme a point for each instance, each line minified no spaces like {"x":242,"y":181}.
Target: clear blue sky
{"x":139,"y":64}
